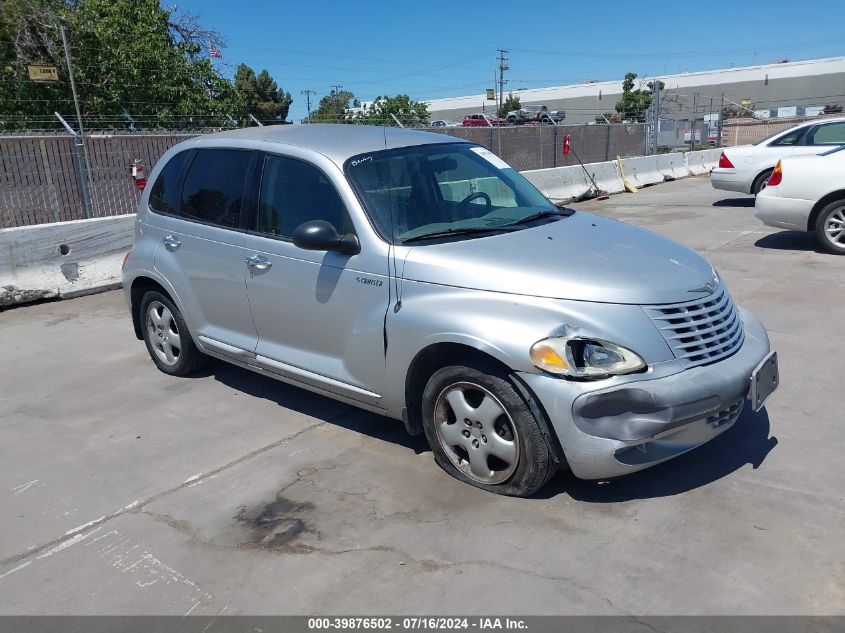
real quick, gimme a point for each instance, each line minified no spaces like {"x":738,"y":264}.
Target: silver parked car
{"x":420,"y":277}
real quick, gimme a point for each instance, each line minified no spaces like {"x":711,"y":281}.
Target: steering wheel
{"x":473,"y":196}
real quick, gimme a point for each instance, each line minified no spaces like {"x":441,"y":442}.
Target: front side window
{"x":164,"y":195}
{"x":453,"y":188}
{"x":827,"y":134}
{"x":214,"y":186}
{"x":293,"y":192}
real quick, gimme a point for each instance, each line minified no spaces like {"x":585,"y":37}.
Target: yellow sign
{"x":43,"y":72}
{"x":491,"y":94}
{"x":745,"y":103}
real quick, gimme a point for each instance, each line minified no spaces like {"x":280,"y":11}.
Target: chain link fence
{"x":43,"y":177}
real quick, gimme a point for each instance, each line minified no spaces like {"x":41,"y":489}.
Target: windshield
{"x":454,"y":187}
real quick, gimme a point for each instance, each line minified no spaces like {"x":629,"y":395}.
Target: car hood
{"x":582,"y":257}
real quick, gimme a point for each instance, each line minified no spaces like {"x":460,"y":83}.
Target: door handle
{"x":256,"y":263}
{"x":171,"y":243}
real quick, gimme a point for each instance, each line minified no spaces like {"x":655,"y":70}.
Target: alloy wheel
{"x":476,"y":432}
{"x":163,"y":333}
{"x":834,"y":227}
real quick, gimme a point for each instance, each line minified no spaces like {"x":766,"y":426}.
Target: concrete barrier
{"x":642,"y":170}
{"x":607,"y":176}
{"x":62,"y":259}
{"x":702,"y":161}
{"x":672,"y":166}
{"x":560,"y":184}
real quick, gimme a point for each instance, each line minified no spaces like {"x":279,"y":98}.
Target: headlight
{"x":584,"y":358}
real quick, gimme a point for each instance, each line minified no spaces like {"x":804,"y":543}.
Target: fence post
{"x":607,"y":144}
{"x":51,"y":188}
{"x":83,"y":180}
{"x":81,"y":167}
{"x":554,"y":146}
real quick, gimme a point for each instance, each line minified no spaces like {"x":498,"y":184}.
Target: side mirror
{"x":319,"y":235}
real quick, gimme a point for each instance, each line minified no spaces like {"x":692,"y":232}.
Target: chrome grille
{"x":701,"y":331}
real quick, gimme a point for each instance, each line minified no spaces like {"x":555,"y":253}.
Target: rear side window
{"x":164,"y":196}
{"x":827,"y":134}
{"x":789,"y":139}
{"x":293,"y":192}
{"x":214,"y":186}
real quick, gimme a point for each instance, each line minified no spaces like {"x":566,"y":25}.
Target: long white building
{"x":816,"y":82}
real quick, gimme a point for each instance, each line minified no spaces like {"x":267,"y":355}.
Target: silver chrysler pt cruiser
{"x":421,"y":277}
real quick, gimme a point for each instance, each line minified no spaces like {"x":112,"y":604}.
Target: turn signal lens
{"x":584,"y":358}
{"x":548,"y":356}
{"x":776,"y":177}
{"x":125,"y":257}
{"x":725,"y":162}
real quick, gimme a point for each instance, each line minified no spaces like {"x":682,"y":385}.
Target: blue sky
{"x":440,"y":49}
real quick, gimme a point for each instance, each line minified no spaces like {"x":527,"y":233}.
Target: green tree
{"x":510,"y":104}
{"x":405,"y":109}
{"x":261,"y":96}
{"x":132,"y":60}
{"x":635,"y":102}
{"x":333,"y":107}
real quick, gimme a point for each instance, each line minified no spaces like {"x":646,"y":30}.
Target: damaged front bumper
{"x":644,"y":419}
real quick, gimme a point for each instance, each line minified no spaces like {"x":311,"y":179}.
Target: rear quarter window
{"x":164,"y":195}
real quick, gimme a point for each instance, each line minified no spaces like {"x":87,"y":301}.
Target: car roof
{"x":338,"y":142}
{"x":815,"y":121}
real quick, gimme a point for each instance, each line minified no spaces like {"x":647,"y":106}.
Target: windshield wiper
{"x":564,"y":213}
{"x":470,"y":230}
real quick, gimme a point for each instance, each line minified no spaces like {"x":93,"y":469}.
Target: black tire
{"x":189,"y":358}
{"x":834,"y":212}
{"x":536,"y":463}
{"x":761,"y":180}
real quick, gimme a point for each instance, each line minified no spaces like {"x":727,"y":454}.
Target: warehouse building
{"x":788,"y":86}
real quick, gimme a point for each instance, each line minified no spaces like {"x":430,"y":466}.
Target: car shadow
{"x":314,"y":405}
{"x":735,"y":202}
{"x":747,"y":442}
{"x":790,"y":241}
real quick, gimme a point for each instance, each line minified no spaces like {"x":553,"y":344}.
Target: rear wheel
{"x":830,"y":227}
{"x":760,"y":181}
{"x":167,"y":338}
{"x":482,"y":431}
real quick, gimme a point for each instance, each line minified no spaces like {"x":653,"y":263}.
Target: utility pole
{"x":503,"y":66}
{"x":307,"y":94}
{"x":87,"y":179}
{"x":721,"y":116}
{"x":656,"y":103}
{"x":692,"y":125}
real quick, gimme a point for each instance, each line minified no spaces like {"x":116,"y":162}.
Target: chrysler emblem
{"x":709,"y":287}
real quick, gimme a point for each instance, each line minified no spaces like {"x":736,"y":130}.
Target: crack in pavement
{"x":138,"y":505}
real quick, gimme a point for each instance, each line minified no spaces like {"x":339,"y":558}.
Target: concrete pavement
{"x":125,"y":491}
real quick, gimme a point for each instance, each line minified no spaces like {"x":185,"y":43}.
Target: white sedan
{"x":746,"y":168}
{"x":807,"y":193}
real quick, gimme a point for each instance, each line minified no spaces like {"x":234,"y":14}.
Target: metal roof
{"x":337,"y":142}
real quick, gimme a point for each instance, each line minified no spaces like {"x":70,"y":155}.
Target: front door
{"x":319,"y":315}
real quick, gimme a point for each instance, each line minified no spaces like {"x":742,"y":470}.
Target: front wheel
{"x":482,"y":431}
{"x":167,"y":337}
{"x":830,"y":227}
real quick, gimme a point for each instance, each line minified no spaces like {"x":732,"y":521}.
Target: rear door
{"x":202,"y":249}
{"x":319,"y":315}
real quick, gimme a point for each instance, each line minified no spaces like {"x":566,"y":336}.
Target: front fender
{"x":504,"y":326}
